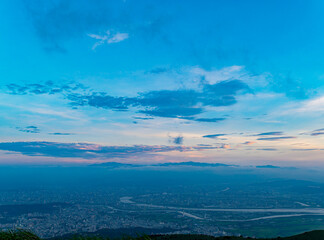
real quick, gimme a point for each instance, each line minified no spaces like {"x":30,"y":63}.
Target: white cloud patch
{"x":230,"y":73}
{"x":215,"y":76}
{"x":108,"y":38}
{"x":313,"y":105}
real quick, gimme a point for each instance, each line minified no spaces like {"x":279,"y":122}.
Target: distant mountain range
{"x":195,"y":164}
{"x":173,"y":164}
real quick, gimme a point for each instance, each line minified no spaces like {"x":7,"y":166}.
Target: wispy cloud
{"x":249,"y":143}
{"x":48,"y":87}
{"x":270,"y":134}
{"x":28,"y":129}
{"x":267,"y":149}
{"x":275,"y":138}
{"x":143,"y":118}
{"x":108,"y":38}
{"x":314,"y":106}
{"x":211,"y":120}
{"x":305,"y":149}
{"x":178,"y":140}
{"x":316,"y":132}
{"x":61,"y":134}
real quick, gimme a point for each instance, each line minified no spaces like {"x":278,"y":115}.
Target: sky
{"x":226,"y":81}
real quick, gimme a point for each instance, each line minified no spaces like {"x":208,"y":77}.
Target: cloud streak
{"x":61,"y":134}
{"x":314,"y":133}
{"x":270,"y":134}
{"x":267,"y":149}
{"x":214,"y":135}
{"x":210,"y":120}
{"x":90,"y":151}
{"x":48,"y":87}
{"x":249,"y":143}
{"x":275,"y":138}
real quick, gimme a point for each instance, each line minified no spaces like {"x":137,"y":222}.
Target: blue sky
{"x":160,"y":81}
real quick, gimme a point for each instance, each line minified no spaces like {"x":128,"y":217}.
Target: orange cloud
{"x":249,"y":142}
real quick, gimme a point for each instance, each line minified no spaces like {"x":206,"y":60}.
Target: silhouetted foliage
{"x":18,"y":235}
{"x":27,"y":235}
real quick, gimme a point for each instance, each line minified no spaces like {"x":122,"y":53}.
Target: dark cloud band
{"x":182,"y":103}
{"x":275,"y":138}
{"x":89,"y":151}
